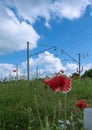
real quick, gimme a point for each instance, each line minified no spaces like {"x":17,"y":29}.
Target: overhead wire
{"x":73,"y":41}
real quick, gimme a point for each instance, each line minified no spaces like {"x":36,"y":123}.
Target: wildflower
{"x":14,"y":70}
{"x":60,"y":121}
{"x":62,"y":126}
{"x":62,"y":71}
{"x":67,"y":122}
{"x":59,"y":83}
{"x":81,"y":104}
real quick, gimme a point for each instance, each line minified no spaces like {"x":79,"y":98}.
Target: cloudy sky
{"x":57,"y":30}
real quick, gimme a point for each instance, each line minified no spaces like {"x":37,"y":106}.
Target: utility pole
{"x":28,"y":74}
{"x":37,"y":72}
{"x":69,"y":55}
{"x":17,"y":72}
{"x":79,"y":65}
{"x":79,"y":70}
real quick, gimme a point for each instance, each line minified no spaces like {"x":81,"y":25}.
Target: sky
{"x":57,"y":32}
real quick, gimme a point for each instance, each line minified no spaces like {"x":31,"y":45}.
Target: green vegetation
{"x":87,"y":73}
{"x":32,"y":106}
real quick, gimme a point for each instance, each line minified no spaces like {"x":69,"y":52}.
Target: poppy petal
{"x":59,"y":82}
{"x":65,"y":84}
{"x":81,"y":104}
{"x":52,"y":83}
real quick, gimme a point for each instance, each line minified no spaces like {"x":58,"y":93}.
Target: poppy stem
{"x":45,"y":93}
{"x":65,"y":110}
{"x":38,"y":113}
{"x":45,"y":103}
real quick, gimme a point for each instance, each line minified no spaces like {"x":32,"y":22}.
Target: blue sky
{"x":65,"y":24}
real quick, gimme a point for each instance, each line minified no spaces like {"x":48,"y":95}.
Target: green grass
{"x":30,"y":106}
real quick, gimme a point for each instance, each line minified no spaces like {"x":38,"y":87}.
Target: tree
{"x":88,"y":73}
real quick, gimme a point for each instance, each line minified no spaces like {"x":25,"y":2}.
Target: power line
{"x":28,"y":55}
{"x":69,"y":55}
{"x":79,"y":70}
{"x":76,"y":34}
{"x":54,"y":47}
{"x":73,"y":40}
{"x":74,"y":43}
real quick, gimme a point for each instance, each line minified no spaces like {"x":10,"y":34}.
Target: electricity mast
{"x":28,"y":72}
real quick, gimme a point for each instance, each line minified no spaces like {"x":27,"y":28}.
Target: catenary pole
{"x":28,"y":74}
{"x":17,"y":72}
{"x":37,"y":72}
{"x":79,"y":65}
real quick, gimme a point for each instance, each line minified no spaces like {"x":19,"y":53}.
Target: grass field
{"x":32,"y":106}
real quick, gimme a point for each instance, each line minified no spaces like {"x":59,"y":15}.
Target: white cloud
{"x":6,"y":70}
{"x":34,"y":9}
{"x":71,"y":68}
{"x":69,"y":9}
{"x":50,"y":62}
{"x":87,"y":67}
{"x":13,"y":34}
{"x":47,"y":64}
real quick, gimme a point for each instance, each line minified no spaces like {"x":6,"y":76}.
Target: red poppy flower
{"x":14,"y":70}
{"x":81,"y":104}
{"x":62,"y":71}
{"x":59,"y":82}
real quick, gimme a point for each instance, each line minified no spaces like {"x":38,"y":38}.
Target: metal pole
{"x":37,"y":72}
{"x":17,"y":72}
{"x":79,"y":65}
{"x":28,"y":77}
